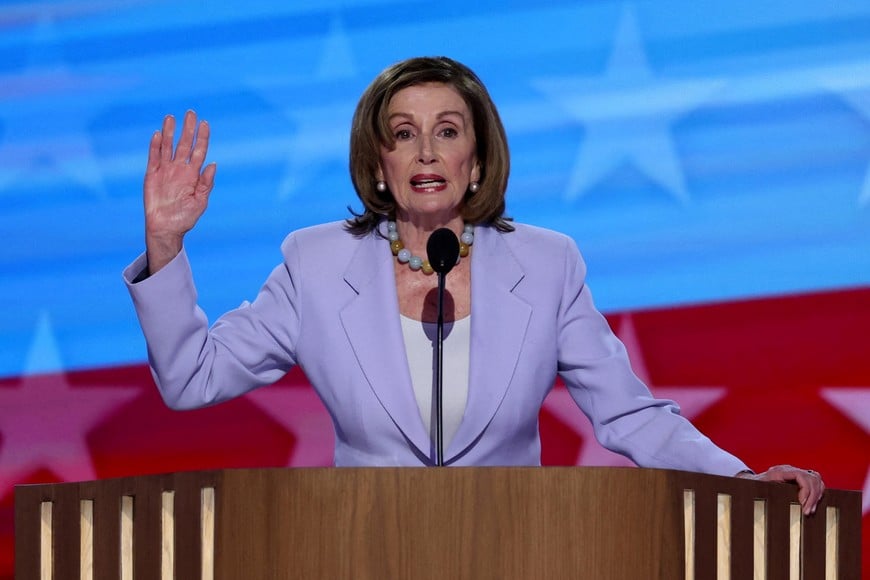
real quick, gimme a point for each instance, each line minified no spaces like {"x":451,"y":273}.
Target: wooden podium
{"x":447,"y":523}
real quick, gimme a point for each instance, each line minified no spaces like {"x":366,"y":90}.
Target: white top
{"x":420,"y":345}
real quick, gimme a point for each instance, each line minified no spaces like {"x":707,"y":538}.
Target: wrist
{"x":161,"y":250}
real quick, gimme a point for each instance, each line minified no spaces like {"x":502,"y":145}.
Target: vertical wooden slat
{"x":106,"y":496}
{"x":759,"y":544}
{"x":66,"y":523}
{"x":188,"y":500}
{"x":167,"y":536}
{"x":832,"y":543}
{"x":778,"y":538}
{"x":813,"y":545}
{"x":147,"y":526}
{"x":689,"y":532}
{"x":723,"y":536}
{"x":46,"y":545}
{"x":849,"y":550}
{"x":794,"y":541}
{"x":28,"y":504}
{"x":86,"y":568}
{"x":705,"y":530}
{"x":127,"y":514}
{"x":207,"y":532}
{"x":742,"y":536}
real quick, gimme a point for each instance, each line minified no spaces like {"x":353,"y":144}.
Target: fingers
{"x":168,"y":136}
{"x":200,"y":148}
{"x":154,"y":153}
{"x":188,"y":135}
{"x":815,"y":489}
{"x":811,"y":488}
{"x":206,"y":180}
{"x":192,"y":145}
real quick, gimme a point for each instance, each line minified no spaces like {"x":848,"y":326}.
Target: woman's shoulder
{"x":329,"y":237}
{"x":535,"y":238}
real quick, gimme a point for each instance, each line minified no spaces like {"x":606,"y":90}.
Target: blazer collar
{"x":499,"y":319}
{"x":373,"y":328}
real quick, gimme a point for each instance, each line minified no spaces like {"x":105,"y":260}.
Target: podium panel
{"x":475,"y":523}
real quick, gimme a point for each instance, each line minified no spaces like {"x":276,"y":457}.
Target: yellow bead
{"x":427,"y":267}
{"x":396,"y":246}
{"x":463,"y":250}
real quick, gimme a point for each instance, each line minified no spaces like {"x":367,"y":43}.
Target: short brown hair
{"x":370,"y":131}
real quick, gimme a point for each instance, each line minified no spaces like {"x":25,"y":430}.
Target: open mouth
{"x":428,"y":182}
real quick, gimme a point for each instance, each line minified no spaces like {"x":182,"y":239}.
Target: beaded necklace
{"x":416,"y":262}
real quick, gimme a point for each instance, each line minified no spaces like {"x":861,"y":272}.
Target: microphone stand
{"x":439,"y":369}
{"x":442,"y":249}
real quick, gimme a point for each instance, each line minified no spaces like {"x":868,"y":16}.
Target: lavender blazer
{"x":332,"y":308}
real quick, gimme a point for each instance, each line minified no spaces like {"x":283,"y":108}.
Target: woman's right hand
{"x":176,"y":187}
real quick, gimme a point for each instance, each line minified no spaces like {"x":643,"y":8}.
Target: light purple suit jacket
{"x":332,"y":308}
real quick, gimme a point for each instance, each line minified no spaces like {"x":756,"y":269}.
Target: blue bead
{"x":393,"y":235}
{"x":468,"y":228}
{"x":467,"y":238}
{"x":404,"y":255}
{"x":416,"y":262}
{"x":391,"y":226}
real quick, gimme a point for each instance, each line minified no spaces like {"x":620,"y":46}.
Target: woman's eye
{"x":403,"y":134}
{"x":449,"y":132}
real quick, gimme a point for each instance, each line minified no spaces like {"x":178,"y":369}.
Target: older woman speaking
{"x":354,"y":302}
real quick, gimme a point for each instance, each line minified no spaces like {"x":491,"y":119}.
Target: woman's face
{"x":434,"y":155}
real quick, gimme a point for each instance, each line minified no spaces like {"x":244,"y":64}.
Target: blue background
{"x":697,"y":151}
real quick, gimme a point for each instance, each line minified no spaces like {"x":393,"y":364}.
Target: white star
{"x":43,"y":144}
{"x":299,"y":410}
{"x":45,"y":421}
{"x":563,"y":407}
{"x":692,"y":400}
{"x":337,"y":61}
{"x":854,"y":87}
{"x":25,"y":12}
{"x":627,"y":115}
{"x":320,"y":137}
{"x":854,"y":403}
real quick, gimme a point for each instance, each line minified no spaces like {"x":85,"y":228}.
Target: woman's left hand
{"x":810,"y":484}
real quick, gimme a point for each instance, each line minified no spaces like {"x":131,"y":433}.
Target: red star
{"x":854,"y":403}
{"x":298,"y":409}
{"x":692,"y":400}
{"x":44,"y":421}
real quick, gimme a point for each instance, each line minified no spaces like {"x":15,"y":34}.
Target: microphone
{"x":442,"y":249}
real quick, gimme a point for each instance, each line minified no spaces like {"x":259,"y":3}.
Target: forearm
{"x":193,"y":366}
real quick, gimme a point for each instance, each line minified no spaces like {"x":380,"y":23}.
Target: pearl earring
{"x":473,"y":187}
{"x":381,"y":186}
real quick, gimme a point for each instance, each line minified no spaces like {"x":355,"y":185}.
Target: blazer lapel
{"x":373,"y":327}
{"x":499,"y":320}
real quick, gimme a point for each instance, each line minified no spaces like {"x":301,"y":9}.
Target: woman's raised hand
{"x":176,"y":187}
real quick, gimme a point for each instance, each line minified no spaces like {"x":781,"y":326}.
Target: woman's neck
{"x":415,"y":233}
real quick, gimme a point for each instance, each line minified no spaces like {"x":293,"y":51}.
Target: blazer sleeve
{"x":627,"y":419}
{"x":196,"y":366}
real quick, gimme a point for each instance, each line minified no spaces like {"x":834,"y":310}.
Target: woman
{"x":352,"y":302}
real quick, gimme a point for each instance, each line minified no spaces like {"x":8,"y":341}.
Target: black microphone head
{"x":442,"y":249}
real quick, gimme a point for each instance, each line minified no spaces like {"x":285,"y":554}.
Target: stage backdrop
{"x":711,"y":159}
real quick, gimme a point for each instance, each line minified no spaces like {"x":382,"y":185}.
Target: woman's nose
{"x":426,"y":153}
